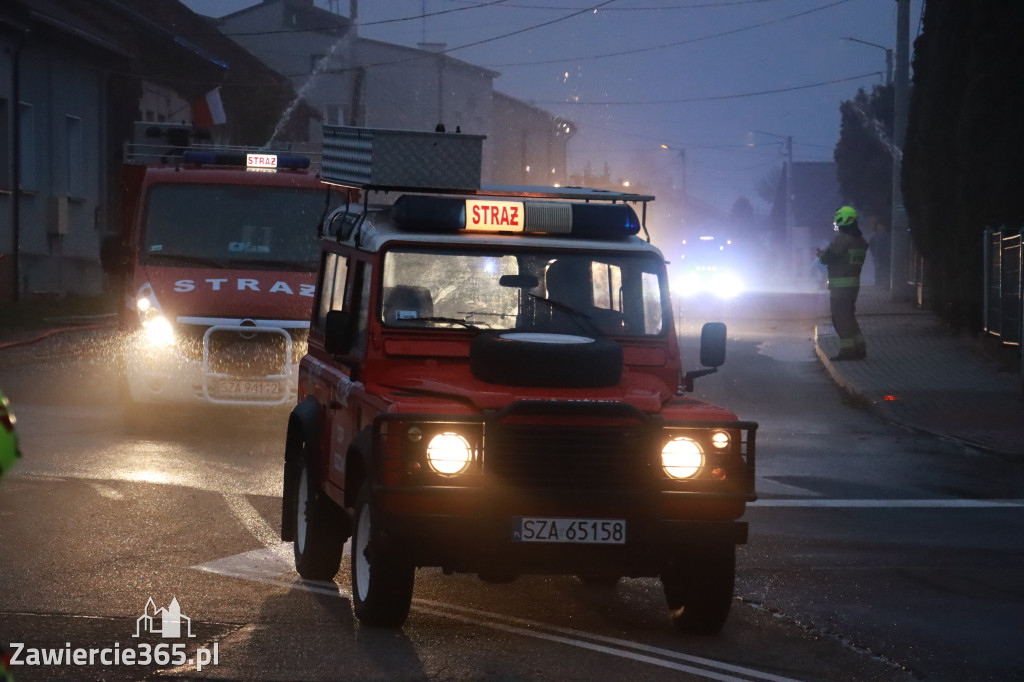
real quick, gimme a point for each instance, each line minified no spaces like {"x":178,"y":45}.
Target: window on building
{"x":334,"y":114}
{"x":75,"y":156}
{"x":27,"y":146}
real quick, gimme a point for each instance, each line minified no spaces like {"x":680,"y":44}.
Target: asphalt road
{"x":875,"y":553}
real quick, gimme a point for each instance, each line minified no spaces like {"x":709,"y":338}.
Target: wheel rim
{"x":362,"y":540}
{"x":301,"y":499}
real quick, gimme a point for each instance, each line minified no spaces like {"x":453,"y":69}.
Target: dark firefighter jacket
{"x":844,"y":259}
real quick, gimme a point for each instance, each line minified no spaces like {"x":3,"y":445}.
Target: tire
{"x":699,"y":589}
{"x":319,"y":530}
{"x":545,"y":360}
{"x":381,"y":583}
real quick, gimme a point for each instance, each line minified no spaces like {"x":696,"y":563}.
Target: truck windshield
{"x":616,"y":294}
{"x":233,"y":225}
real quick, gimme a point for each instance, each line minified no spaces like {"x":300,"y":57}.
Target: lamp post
{"x":888,"y":56}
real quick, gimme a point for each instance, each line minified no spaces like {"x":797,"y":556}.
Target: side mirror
{"x":114,"y":255}
{"x":338,"y":332}
{"x":712,"y":344}
{"x":712,"y":354}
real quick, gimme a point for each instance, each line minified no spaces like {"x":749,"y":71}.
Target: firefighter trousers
{"x":843,"y":306}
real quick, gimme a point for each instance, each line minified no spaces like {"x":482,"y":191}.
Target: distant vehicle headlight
{"x":728,"y":285}
{"x":681,"y":458}
{"x":449,"y":454}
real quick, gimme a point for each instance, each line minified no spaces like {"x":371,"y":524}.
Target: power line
{"x":676,"y":43}
{"x":706,"y":5}
{"x":416,"y":17}
{"x":713,"y":98}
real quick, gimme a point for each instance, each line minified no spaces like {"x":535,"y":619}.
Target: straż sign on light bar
{"x":494,"y":216}
{"x":262,"y":161}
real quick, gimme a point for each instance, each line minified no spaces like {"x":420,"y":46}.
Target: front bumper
{"x":559,"y":460}
{"x":484,"y":544}
{"x":202,"y":369}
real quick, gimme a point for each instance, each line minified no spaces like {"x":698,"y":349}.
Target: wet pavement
{"x":918,"y":372}
{"x":921,"y":374}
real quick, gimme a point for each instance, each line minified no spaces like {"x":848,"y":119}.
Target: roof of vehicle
{"x":378,"y":225}
{"x":193,"y":174}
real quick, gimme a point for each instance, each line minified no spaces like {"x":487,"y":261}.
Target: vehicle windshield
{"x":615,"y":294}
{"x":234,"y":225}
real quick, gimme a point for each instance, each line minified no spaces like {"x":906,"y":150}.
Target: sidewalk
{"x":920,"y":374}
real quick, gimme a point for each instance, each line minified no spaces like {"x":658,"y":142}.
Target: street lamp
{"x":888,"y":56}
{"x":682,"y":157}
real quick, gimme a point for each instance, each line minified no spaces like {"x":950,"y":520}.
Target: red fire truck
{"x":216,"y":257}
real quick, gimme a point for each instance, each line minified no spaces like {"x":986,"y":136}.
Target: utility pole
{"x":789,"y":202}
{"x":899,"y":285}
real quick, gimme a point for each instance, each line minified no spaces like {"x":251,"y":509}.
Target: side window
{"x":334,"y":269}
{"x":363,"y":312}
{"x":607,"y":280}
{"x":652,"y":303}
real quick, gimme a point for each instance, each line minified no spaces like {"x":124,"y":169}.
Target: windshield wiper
{"x":451,"y":320}
{"x":201,"y":261}
{"x":586,"y":323}
{"x":269,"y":264}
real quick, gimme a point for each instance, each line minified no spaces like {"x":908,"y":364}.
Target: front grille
{"x":574,"y":457}
{"x":248,"y":354}
{"x":243,"y":352}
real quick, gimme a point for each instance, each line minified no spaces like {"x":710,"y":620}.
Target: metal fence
{"x":1004,"y":285}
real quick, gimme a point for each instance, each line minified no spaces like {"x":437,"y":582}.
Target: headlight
{"x":728,"y":285}
{"x":158,"y":329}
{"x":681,"y":458}
{"x":720,"y":439}
{"x":449,"y":454}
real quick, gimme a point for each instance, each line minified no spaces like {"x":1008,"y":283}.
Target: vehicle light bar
{"x":256,"y":160}
{"x":416,"y":213}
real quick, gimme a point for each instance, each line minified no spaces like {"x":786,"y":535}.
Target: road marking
{"x":251,"y":519}
{"x":273,"y":566}
{"x":942,"y":503}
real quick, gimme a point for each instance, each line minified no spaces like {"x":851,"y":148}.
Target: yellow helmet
{"x":846,"y":215}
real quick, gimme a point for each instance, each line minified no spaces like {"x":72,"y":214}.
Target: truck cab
{"x":217,"y":263}
{"x":493,"y":385}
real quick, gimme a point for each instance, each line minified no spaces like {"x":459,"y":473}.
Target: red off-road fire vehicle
{"x":217,"y":259}
{"x":493,"y":385}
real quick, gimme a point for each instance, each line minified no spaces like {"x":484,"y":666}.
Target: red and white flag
{"x":208,"y":110}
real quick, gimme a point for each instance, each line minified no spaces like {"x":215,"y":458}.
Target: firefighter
{"x":844,"y":259}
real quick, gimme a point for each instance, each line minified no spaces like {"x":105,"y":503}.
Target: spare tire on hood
{"x":539,"y":359}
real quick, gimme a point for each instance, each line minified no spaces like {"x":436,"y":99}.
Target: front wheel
{"x":699,"y":589}
{"x":381,"y":583}
{"x":319,"y":538}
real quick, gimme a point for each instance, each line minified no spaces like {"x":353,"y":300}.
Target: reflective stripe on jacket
{"x":844,"y":259}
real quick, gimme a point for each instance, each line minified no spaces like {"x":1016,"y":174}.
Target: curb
{"x":863,"y":398}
